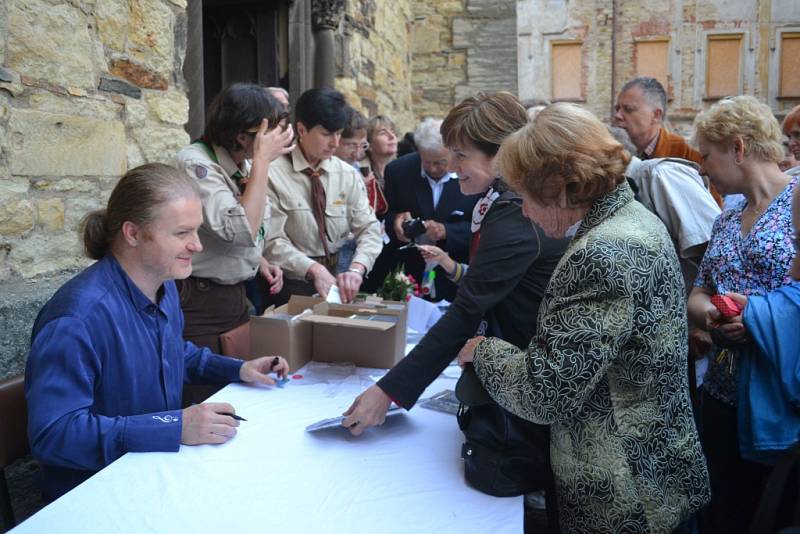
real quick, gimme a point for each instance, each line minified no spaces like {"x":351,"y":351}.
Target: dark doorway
{"x":240,"y":44}
{"x":232,"y":41}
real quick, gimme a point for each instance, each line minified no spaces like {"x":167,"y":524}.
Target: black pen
{"x":275,"y":362}
{"x":238,"y":418}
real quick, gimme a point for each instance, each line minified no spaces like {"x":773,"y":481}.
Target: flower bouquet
{"x":398,"y":285}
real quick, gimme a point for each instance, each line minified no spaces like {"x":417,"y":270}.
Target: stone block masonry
{"x":87,"y":91}
{"x":373,"y":59}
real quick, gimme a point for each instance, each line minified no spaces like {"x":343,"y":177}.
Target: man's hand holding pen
{"x":216,"y":422}
{"x":210,"y":422}
{"x":258,"y":370}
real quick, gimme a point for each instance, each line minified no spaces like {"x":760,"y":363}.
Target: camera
{"x":413,"y":228}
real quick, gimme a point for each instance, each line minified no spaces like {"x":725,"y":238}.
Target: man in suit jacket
{"x":419,"y":185}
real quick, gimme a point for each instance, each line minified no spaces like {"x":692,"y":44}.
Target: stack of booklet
{"x":444,"y":401}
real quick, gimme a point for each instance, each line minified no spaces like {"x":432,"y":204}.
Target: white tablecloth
{"x":405,"y":476}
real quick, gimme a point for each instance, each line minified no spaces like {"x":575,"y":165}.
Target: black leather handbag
{"x":503,"y":454}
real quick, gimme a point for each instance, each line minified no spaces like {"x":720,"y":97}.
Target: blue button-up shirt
{"x":106,"y":372}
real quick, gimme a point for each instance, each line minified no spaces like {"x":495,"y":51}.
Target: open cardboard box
{"x":275,"y":332}
{"x":370,"y":333}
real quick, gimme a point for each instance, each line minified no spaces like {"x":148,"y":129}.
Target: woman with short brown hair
{"x":548,"y":163}
{"x":510,"y":265}
{"x":230,"y":164}
{"x":606,"y":368}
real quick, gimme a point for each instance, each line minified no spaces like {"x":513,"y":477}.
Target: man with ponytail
{"x":108,"y":359}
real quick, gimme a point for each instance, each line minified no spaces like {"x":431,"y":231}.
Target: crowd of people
{"x":585,"y":265}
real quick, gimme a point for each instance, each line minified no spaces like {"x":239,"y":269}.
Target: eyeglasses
{"x":352,"y":145}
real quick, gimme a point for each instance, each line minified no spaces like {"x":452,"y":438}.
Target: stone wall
{"x":686,"y":24}
{"x":411,"y":59}
{"x":487,"y":33}
{"x":373,"y":59}
{"x":461,"y":47}
{"x":438,"y":68}
{"x":87,"y":90}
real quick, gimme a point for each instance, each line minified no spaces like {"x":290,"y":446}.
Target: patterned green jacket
{"x":607,"y":369}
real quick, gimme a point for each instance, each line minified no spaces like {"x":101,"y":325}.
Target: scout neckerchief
{"x":239,"y":178}
{"x":318,"y":202}
{"x":478,"y":213}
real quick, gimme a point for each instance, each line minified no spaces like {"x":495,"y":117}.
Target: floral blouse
{"x":751,"y":264}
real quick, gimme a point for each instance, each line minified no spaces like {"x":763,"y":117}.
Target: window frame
{"x":553,"y":43}
{"x":723,"y":36}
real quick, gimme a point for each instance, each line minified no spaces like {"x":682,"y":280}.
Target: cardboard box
{"x":275,"y":332}
{"x":369,"y":334}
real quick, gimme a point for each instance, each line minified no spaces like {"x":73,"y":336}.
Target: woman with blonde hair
{"x":606,"y":368}
{"x":382,"y":141}
{"x":750,"y":253}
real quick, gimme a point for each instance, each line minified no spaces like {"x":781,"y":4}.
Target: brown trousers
{"x":209,"y":310}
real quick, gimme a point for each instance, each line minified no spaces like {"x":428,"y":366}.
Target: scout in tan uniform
{"x":230,"y":163}
{"x":316,"y":201}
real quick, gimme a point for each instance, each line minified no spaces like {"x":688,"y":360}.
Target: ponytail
{"x":95,"y":234}
{"x":136,"y":198}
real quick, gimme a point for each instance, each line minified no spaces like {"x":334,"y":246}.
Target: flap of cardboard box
{"x":346,"y":321}
{"x":297,"y":304}
{"x":326,"y":308}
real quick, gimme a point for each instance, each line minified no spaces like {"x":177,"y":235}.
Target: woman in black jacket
{"x":510,"y":261}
